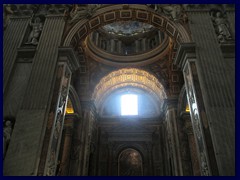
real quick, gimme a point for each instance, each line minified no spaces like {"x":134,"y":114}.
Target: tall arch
{"x":119,"y":12}
{"x":128,"y":77}
{"x":73,"y":96}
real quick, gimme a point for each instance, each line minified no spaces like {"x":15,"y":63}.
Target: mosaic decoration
{"x":130,"y":163}
{"x":127,"y":28}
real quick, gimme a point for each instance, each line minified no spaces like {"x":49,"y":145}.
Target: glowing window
{"x":69,"y":109}
{"x":129,"y":104}
{"x":187,"y":108}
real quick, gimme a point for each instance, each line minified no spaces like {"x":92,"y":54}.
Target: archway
{"x":121,"y":12}
{"x":128,"y":77}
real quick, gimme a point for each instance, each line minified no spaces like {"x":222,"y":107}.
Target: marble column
{"x":112,"y":45}
{"x":119,"y":47}
{"x":159,"y":37}
{"x":137,"y":46}
{"x":97,"y":39}
{"x":144,"y":44}
{"x":186,"y":59}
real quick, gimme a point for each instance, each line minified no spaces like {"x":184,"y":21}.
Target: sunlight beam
{"x":129,"y":104}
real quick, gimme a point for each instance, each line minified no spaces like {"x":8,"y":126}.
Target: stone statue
{"x":37,"y":26}
{"x":7,"y":132}
{"x":7,"y":11}
{"x":222,"y":27}
{"x":79,"y":12}
{"x":171,"y":10}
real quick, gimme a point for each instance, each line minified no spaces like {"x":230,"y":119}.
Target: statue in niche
{"x":7,"y":11}
{"x":7,"y":132}
{"x":222,"y":26}
{"x":35,"y":33}
{"x":173,"y":11}
{"x":79,"y":12}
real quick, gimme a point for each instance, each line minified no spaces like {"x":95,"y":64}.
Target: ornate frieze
{"x":173,"y":11}
{"x":44,"y":9}
{"x":81,"y":11}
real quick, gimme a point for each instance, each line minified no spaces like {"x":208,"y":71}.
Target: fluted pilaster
{"x":12,"y":39}
{"x":216,"y":86}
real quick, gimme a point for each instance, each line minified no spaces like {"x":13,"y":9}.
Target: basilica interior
{"x":119,"y":90}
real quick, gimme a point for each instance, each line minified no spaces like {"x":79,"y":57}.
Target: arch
{"x":74,"y":98}
{"x":182,"y":100}
{"x":138,"y":12}
{"x":130,"y":163}
{"x":128,"y":77}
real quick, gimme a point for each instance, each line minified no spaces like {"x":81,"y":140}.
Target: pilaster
{"x":170,"y":106}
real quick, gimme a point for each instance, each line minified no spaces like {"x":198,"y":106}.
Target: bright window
{"x":129,"y":104}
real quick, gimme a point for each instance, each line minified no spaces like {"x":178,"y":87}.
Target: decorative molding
{"x":146,"y":57}
{"x":67,"y":54}
{"x":185,"y":52}
{"x":134,"y":11}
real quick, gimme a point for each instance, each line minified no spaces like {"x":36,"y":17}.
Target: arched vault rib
{"x":128,"y":77}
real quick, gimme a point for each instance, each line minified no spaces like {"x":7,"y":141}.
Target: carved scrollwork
{"x":204,"y":166}
{"x":82,"y":11}
{"x":58,"y":124}
{"x":197,"y":123}
{"x":51,"y":164}
{"x":189,"y":87}
{"x":173,"y":11}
